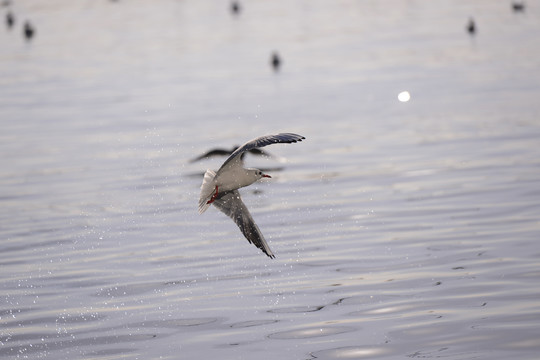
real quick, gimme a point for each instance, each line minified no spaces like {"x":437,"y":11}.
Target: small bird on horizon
{"x":28,"y":31}
{"x":518,"y":6}
{"x":471,"y":26}
{"x":275,"y":61}
{"x":235,"y":8}
{"x":10,"y":20}
{"x":221,"y":188}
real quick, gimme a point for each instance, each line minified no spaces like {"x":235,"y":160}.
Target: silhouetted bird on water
{"x":471,"y":26}
{"x":28,"y":31}
{"x":275,"y":61}
{"x":518,"y":6}
{"x":235,"y":7}
{"x":10,"y":20}
{"x":226,"y":152}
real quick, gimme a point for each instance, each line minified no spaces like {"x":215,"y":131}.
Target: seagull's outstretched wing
{"x":230,"y":203}
{"x":236,"y":157}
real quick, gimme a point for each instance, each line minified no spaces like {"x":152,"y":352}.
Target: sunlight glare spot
{"x":355,"y":353}
{"x":404,"y":96}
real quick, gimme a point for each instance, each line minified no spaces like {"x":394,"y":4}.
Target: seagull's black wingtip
{"x":296,"y":139}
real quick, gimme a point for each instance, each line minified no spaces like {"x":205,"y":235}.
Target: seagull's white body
{"x":221,"y":188}
{"x":226,"y":181}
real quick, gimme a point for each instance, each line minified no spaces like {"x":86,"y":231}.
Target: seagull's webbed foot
{"x":213,"y":196}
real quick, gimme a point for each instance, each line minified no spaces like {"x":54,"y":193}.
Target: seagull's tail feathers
{"x":208,"y":188}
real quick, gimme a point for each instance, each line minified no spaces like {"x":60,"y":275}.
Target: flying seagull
{"x":221,"y":188}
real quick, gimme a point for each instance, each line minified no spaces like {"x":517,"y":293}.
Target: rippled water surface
{"x":401,"y":229}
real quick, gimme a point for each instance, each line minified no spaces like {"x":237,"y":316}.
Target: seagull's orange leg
{"x":213,"y":197}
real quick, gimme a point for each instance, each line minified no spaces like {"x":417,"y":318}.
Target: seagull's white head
{"x":257,"y":174}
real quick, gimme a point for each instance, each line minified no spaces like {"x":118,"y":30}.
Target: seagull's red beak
{"x":268,"y":176}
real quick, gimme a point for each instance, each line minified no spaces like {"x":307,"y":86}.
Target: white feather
{"x":208,"y":189}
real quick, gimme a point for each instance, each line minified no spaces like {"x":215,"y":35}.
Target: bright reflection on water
{"x":350,"y":353}
{"x":399,"y":231}
{"x":404,"y":96}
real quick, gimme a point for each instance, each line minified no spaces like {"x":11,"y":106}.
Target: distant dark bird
{"x":518,"y":6}
{"x":28,"y":31}
{"x":235,"y":8}
{"x":226,"y":152}
{"x":275,"y":61}
{"x":10,"y":20}
{"x":471,"y":26}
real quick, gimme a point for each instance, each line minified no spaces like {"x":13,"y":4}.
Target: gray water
{"x":401,"y":229}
